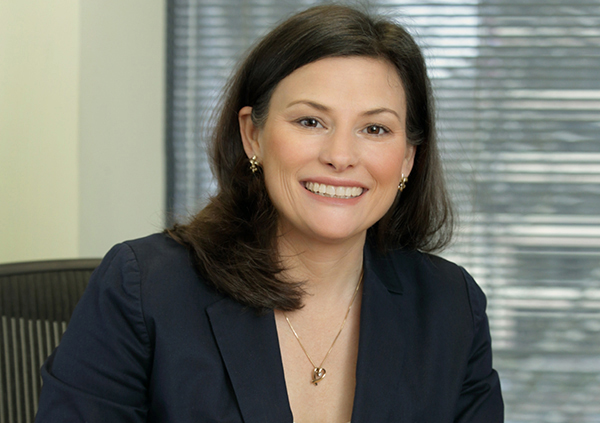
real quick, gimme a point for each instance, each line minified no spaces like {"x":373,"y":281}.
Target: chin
{"x":327,"y":235}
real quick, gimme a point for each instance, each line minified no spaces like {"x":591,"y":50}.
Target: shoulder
{"x":153,"y":252}
{"x":159,"y":250}
{"x":159,"y":273}
{"x":155,"y":257}
{"x":401,"y":269}
{"x":429,"y":279}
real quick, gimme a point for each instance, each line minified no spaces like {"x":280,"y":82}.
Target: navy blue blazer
{"x":151,"y":342}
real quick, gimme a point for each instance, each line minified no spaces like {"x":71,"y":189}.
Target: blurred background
{"x":82,"y":118}
{"x":105,"y":108}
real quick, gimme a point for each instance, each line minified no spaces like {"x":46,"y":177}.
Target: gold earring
{"x":254,"y":164}
{"x":402,"y":184}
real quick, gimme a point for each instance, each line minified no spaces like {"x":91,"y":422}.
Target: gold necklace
{"x":319,"y":372}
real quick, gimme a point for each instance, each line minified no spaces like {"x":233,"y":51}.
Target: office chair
{"x":36,"y":302}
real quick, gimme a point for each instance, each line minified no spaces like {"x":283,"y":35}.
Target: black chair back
{"x":36,"y":302}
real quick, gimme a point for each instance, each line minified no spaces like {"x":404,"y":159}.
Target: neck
{"x":329,"y":270}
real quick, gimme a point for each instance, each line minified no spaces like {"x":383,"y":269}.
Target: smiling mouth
{"x":333,"y":191}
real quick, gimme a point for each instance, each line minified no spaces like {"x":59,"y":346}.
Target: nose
{"x":339,"y":150}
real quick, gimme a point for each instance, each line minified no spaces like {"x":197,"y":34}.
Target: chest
{"x":225,"y":364}
{"x":330,"y":397}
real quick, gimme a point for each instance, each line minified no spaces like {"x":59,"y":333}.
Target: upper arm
{"x":100,"y":370}
{"x":480,"y":399}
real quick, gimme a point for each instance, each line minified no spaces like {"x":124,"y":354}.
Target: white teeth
{"x":333,"y":191}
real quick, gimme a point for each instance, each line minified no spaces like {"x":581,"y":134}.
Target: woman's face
{"x":333,"y":147}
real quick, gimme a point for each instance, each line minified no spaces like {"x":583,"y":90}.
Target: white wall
{"x":81,"y":125}
{"x":122,"y":183}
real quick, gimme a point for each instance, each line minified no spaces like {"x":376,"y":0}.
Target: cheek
{"x":284,"y":153}
{"x":388,"y":172}
{"x":388,"y":168}
{"x":281,"y":160}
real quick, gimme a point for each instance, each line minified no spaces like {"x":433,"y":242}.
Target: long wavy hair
{"x":233,"y":239}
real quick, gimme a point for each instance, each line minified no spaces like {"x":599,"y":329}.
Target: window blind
{"x":517,"y":85}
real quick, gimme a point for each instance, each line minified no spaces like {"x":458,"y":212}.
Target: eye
{"x":376,"y":130}
{"x":310,"y":122}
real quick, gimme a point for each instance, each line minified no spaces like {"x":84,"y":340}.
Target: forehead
{"x":343,"y":82}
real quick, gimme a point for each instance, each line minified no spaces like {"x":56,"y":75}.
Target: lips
{"x":333,"y":191}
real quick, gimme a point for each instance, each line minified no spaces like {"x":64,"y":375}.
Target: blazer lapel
{"x":250,"y":349}
{"x":381,"y":343}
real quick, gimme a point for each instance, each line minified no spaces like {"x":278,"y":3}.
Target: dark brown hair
{"x":234,"y":237}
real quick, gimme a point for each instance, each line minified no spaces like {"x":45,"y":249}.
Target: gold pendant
{"x":318,"y":375}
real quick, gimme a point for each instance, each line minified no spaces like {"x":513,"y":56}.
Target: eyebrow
{"x":324,"y":108}
{"x":312,"y":104}
{"x":381,"y":110}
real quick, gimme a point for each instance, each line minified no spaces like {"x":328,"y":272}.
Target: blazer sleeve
{"x":99,"y":372}
{"x":480,"y":399}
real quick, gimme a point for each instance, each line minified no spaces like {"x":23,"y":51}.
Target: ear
{"x":409,"y":159}
{"x":249,"y":132}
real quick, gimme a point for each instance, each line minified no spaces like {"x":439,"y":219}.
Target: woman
{"x":302,"y":292}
